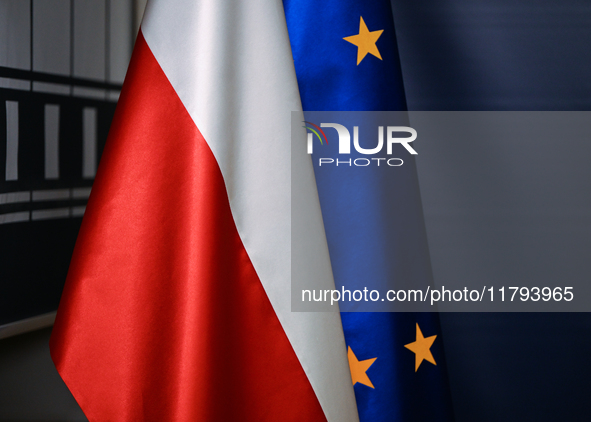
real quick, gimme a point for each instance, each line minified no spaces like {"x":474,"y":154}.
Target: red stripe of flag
{"x":163,"y":316}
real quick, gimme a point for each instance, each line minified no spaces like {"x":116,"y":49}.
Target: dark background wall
{"x":61,"y":66}
{"x":456,"y":55}
{"x":30,"y":387}
{"x":495,"y":54}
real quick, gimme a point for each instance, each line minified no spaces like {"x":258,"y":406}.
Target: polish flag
{"x":177,"y":305}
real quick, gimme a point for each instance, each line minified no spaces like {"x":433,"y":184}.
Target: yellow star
{"x":365,"y":41}
{"x":421,"y":348}
{"x":358,"y":369}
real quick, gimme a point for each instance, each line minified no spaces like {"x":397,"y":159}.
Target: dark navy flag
{"x":346,"y":59}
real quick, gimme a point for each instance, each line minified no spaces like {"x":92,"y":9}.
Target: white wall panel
{"x":15,"y":39}
{"x":89,"y":39}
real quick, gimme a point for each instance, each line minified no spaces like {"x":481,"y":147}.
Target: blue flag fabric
{"x":373,"y":220}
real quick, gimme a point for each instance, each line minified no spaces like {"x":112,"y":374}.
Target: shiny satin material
{"x":231,"y":66}
{"x":163,"y":317}
{"x":373,"y":219}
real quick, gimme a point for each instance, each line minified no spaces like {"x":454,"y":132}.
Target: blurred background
{"x":489,"y":214}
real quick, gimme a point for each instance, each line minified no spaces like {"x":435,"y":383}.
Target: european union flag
{"x":346,"y":59}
